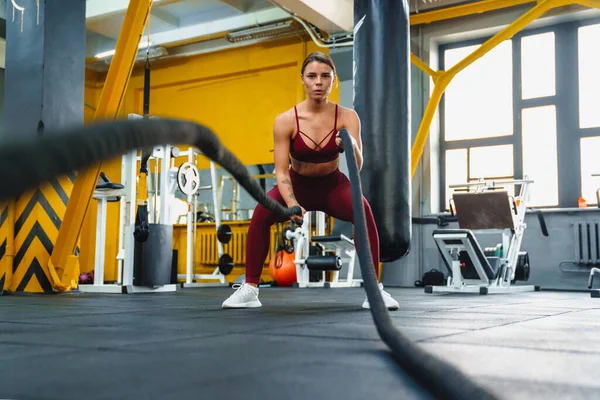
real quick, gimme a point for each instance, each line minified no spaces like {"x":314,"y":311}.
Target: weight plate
{"x":224,"y":233}
{"x":225,"y":264}
{"x":188,"y":178}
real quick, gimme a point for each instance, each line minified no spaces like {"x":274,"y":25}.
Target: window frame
{"x":566,"y":101}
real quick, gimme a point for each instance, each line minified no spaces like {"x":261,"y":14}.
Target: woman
{"x":308,"y":136}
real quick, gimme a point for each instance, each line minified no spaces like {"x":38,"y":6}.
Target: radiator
{"x":207,"y":251}
{"x":587,"y":242}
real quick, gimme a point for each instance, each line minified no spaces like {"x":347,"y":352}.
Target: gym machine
{"x":595,"y":293}
{"x":485,"y":207}
{"x":188,"y":179}
{"x":131,"y":230}
{"x":335,"y":251}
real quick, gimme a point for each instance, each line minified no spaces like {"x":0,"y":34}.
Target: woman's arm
{"x":351,"y":122}
{"x":282,"y":132}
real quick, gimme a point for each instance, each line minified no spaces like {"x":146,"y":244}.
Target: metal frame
{"x":190,"y":277}
{"x":464,"y":10}
{"x":594,"y":293}
{"x":511,"y":240}
{"x":125,"y":256}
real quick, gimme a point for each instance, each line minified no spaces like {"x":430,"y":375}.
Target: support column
{"x":382,"y":101}
{"x":45,"y":76}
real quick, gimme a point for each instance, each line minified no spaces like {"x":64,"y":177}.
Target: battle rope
{"x":26,"y":164}
{"x":439,"y":377}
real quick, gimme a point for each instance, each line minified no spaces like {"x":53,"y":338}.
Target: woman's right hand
{"x":298,"y":218}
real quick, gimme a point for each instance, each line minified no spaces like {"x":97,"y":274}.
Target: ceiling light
{"x":109,"y":53}
{"x":261,"y":32}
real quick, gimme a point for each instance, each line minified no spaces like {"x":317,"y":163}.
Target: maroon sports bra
{"x":300,"y":151}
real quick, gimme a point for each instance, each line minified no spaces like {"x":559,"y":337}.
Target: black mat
{"x":303,"y":344}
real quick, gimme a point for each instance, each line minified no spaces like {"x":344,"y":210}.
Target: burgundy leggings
{"x":329,"y":194}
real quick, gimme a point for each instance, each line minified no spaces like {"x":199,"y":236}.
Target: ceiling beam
{"x":188,"y":33}
{"x":331,"y":16}
{"x":164,"y":17}
{"x":102,"y":8}
{"x":239,"y":5}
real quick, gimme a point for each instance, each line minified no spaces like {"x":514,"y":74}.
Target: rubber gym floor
{"x":303,"y":344}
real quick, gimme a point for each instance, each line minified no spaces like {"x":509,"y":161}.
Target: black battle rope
{"x":441,"y":378}
{"x":27,"y":164}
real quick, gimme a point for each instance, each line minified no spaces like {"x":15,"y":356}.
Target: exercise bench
{"x":486,"y":209}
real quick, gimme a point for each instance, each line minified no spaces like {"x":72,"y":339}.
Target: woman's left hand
{"x":339,"y":143}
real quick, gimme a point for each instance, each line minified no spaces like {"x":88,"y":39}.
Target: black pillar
{"x":45,"y":66}
{"x":44,"y":89}
{"x":382,"y":101}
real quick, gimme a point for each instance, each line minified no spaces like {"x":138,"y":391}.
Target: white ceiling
{"x":105,"y":17}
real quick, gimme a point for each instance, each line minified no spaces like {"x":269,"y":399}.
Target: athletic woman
{"x":307,"y":134}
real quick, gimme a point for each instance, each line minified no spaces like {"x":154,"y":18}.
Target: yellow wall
{"x":238,"y":93}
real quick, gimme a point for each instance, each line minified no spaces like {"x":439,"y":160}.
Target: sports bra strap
{"x":297,"y":121}
{"x":335,"y":123}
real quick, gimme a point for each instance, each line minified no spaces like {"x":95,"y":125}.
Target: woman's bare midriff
{"x":311,"y":169}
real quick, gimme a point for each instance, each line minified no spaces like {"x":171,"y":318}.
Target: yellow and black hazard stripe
{"x":38,"y":219}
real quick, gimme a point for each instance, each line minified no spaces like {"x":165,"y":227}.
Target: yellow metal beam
{"x":446,"y":77}
{"x":589,"y":3}
{"x":424,"y":67}
{"x":108,"y":106}
{"x":464,"y":10}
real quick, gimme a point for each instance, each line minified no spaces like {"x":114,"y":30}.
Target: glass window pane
{"x":538,"y":66}
{"x":479,"y":100}
{"x":491,"y":162}
{"x":456,"y":170}
{"x":540,"y":154}
{"x":589,"y":78}
{"x":590,"y":151}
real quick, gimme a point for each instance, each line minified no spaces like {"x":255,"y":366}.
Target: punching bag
{"x":382,"y":101}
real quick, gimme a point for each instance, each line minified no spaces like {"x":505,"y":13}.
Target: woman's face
{"x":317,"y":80}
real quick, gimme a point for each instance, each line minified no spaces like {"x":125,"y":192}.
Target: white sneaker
{"x":390,"y":303}
{"x":246,"y":296}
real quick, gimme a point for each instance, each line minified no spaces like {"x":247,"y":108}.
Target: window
{"x":478,"y":102}
{"x":590,"y":149}
{"x":589,"y":78}
{"x":468,"y":165}
{"x":456,"y":170}
{"x":542,"y":123}
{"x":538,"y":66}
{"x":491,"y":162}
{"x":540,"y":154}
